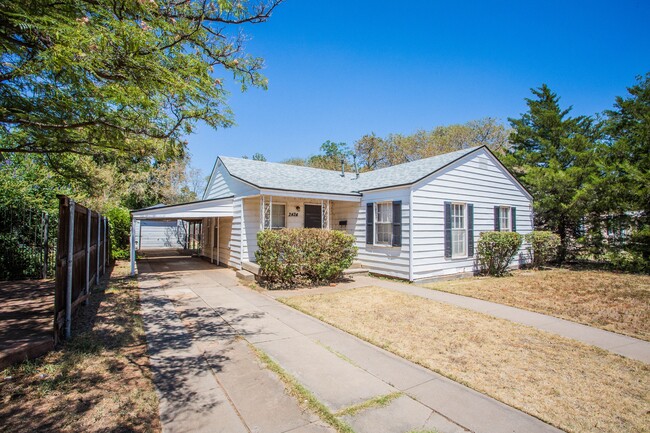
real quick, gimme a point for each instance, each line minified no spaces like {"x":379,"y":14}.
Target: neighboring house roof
{"x":269,"y":175}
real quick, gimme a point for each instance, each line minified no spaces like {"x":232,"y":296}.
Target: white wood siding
{"x":221,"y":184}
{"x":344,"y":211}
{"x":252,"y":217}
{"x":384,"y":260}
{"x":160,"y":234}
{"x":217,"y":247}
{"x":235,"y":240}
{"x":477,"y":179}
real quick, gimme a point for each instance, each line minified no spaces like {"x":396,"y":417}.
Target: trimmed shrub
{"x":495,"y":251}
{"x":292,"y":257}
{"x":542,"y":247}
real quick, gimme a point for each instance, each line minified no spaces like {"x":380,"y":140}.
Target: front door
{"x":313,"y":216}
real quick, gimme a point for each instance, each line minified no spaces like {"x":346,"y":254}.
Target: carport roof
{"x":218,"y":207}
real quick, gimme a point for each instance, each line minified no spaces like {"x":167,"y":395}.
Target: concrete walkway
{"x":209,"y":380}
{"x":617,"y":343}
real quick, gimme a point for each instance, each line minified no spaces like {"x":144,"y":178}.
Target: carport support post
{"x":68,"y":284}
{"x":132,"y":247}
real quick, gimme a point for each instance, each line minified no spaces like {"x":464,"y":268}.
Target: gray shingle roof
{"x":306,"y":179}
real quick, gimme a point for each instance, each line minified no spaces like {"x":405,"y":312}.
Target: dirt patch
{"x":99,"y":381}
{"x":577,"y":387}
{"x":613,"y":301}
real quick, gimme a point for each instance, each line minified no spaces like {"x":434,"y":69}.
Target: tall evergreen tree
{"x":628,"y":129}
{"x":555,"y":157}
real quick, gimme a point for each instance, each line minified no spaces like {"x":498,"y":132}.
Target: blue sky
{"x":340,"y":69}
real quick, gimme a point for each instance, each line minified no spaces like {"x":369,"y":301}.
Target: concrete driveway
{"x":201,"y":326}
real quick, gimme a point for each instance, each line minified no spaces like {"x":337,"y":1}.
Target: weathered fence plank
{"x":83,"y":239}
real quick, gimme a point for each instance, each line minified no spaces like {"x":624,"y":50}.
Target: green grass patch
{"x":381,"y":401}
{"x":302,"y":394}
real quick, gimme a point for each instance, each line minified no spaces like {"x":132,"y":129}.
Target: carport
{"x":203,"y":211}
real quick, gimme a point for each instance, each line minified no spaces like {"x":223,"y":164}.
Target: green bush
{"x":495,"y":251}
{"x":639,"y":243}
{"x":119,"y":220}
{"x":627,"y":261}
{"x":292,"y":257}
{"x":542,"y":247}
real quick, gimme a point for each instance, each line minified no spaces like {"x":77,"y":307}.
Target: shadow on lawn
{"x":102,"y":368}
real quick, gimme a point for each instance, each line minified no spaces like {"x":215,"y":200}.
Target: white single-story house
{"x":419,"y":220}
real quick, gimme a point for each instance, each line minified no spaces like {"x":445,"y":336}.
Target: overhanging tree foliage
{"x":99,"y":77}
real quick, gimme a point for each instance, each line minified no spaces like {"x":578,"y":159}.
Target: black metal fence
{"x":27,"y":243}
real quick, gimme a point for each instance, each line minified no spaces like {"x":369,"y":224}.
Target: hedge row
{"x":292,"y":257}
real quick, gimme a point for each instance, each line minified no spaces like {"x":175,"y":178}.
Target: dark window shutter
{"x":370,"y":223}
{"x":447,"y":229}
{"x":497,"y":220}
{"x":514,"y":219}
{"x":470,"y":230}
{"x":397,"y":223}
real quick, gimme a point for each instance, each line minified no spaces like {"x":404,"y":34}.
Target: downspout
{"x":411,"y":234}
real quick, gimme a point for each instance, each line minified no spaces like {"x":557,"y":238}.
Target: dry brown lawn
{"x":98,"y":382}
{"x":576,"y":387}
{"x":607,"y":300}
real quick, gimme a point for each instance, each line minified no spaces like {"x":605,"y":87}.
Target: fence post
{"x":46,"y":246}
{"x":99,"y":232}
{"x":68,"y":286}
{"x":105,"y":243}
{"x":132,"y":247}
{"x":88,"y":224}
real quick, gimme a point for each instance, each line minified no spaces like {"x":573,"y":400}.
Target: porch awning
{"x":219,"y":207}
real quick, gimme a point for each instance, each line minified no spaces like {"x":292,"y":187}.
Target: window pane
{"x":384,"y":233}
{"x":384,"y":223}
{"x":459,"y":234}
{"x":504,"y":214}
{"x":458,"y":216}
{"x":278,"y":216}
{"x":384,"y":213}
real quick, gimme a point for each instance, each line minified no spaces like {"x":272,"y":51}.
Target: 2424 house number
{"x":293,"y":214}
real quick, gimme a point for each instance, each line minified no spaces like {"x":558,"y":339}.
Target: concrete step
{"x":354,"y":271}
{"x":245,"y":275}
{"x":251,"y":267}
{"x":356,"y":265}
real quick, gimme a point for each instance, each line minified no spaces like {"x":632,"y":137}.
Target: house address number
{"x":293,"y":214}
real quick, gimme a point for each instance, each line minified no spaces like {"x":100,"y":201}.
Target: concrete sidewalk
{"x":221,"y":381}
{"x":617,"y":343}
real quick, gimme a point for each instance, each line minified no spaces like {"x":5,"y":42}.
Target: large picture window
{"x":278,"y":216}
{"x":384,"y":223}
{"x":458,"y":230}
{"x":505,"y":224}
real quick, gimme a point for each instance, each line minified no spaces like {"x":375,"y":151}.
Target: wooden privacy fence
{"x":83,"y":252}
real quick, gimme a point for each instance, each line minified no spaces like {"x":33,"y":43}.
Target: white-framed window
{"x":458,"y":230}
{"x":384,"y":223}
{"x":505,"y":220}
{"x":278,"y":216}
